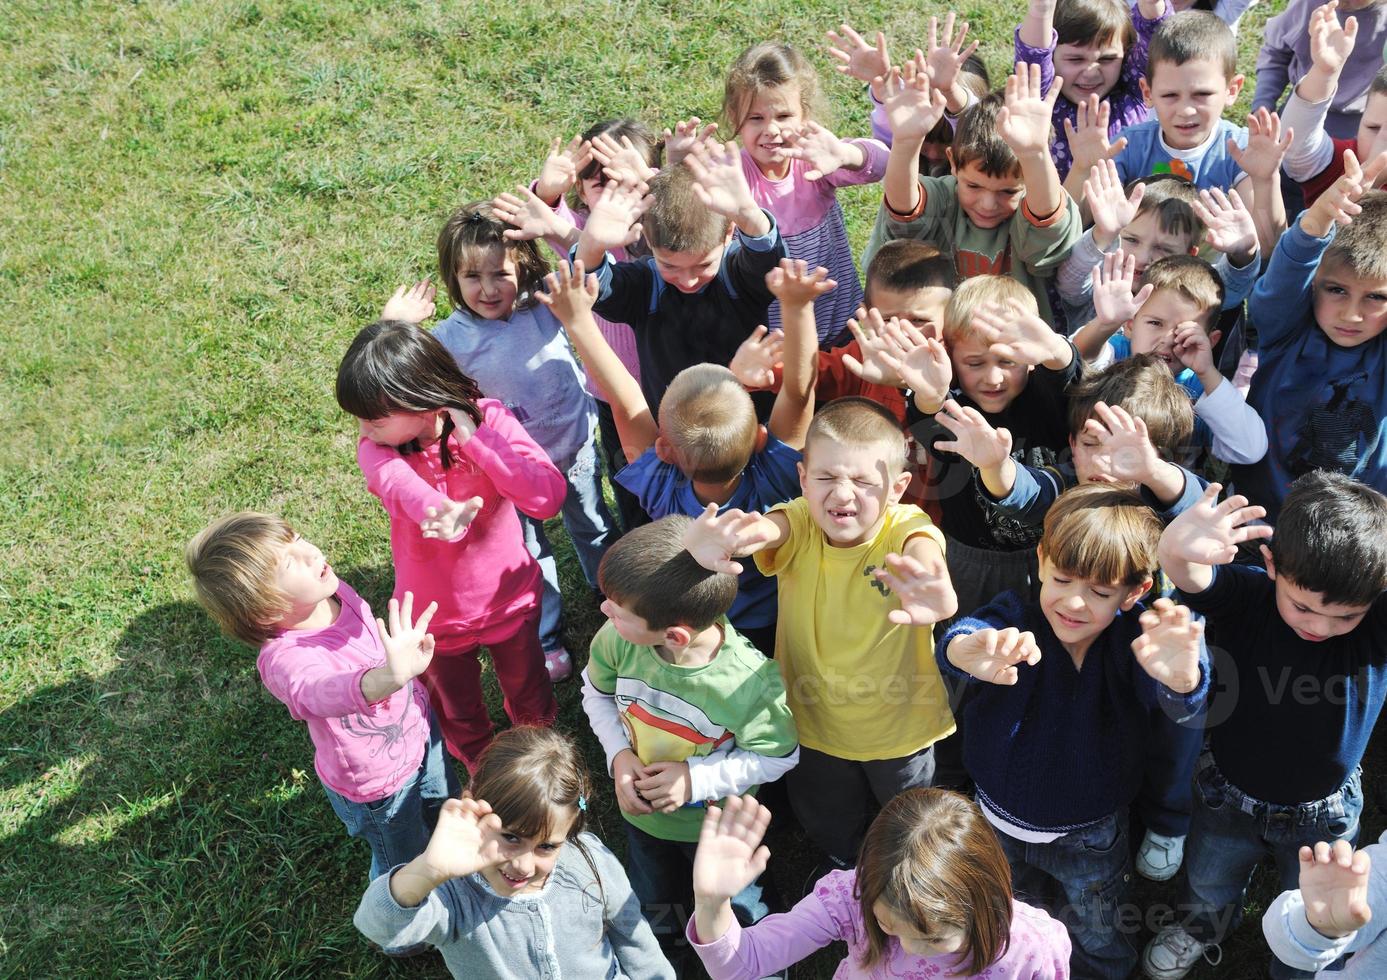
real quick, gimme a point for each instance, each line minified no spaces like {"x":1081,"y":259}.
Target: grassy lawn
{"x":202,"y":203}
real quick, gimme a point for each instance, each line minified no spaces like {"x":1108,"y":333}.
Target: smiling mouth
{"x":840,"y":514}
{"x":515,"y":882}
{"x":1066,"y":621}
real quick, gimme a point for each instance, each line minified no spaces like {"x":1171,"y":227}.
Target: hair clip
{"x":476,"y":217}
{"x":583,"y":803}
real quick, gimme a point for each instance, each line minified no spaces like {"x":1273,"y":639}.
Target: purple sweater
{"x":1127,"y":104}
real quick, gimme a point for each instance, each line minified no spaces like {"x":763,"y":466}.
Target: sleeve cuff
{"x":766,"y":242}
{"x":914,"y":214}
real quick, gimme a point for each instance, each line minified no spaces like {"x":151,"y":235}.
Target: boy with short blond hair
{"x":863,"y":688}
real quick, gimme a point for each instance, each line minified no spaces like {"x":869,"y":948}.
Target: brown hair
{"x":1193,"y":35}
{"x":1144,"y":387}
{"x":1378,"y":86}
{"x":677,"y":221}
{"x":233,"y":562}
{"x":931,"y":858}
{"x":857,"y":421}
{"x":910,"y":264}
{"x":975,"y":292}
{"x":763,"y":66}
{"x":709,"y":420}
{"x":1193,"y":279}
{"x":473,"y":229}
{"x":1172,"y":198}
{"x":1102,"y":533}
{"x":1358,"y":247}
{"x":976,"y":140}
{"x":633,"y":129}
{"x":1094,"y":22}
{"x":1331,"y":538}
{"x":649,"y":572}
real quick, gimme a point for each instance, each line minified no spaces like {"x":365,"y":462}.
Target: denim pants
{"x":628,"y":506}
{"x":1082,"y":880}
{"x":1230,"y":832}
{"x":591,"y":529}
{"x":397,"y":827}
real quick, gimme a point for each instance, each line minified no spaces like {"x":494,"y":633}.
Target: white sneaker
{"x":1174,"y":952}
{"x":1160,"y":856}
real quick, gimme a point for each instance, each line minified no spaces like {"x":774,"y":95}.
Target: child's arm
{"x":532,"y":219}
{"x":570,"y":296}
{"x":1207,"y":535}
{"x":403,"y":491}
{"x":1231,"y":230}
{"x":945,"y":58}
{"x":797,"y":288}
{"x":1131,"y":458}
{"x":561,"y":168}
{"x":721,"y":187}
{"x":466,"y":839}
{"x":730,"y":857}
{"x":1024,"y":125}
{"x":1274,"y":62}
{"x":1014,"y":332}
{"x":599,"y":704}
{"x":408,"y":650}
{"x":1238,"y":433}
{"x":991,"y":655}
{"x":1037,"y":28}
{"x":714,"y":539}
{"x":1113,"y":303}
{"x":827,"y":155}
{"x":520,"y":470}
{"x":686,"y":136}
{"x":1312,"y":150}
{"x":633,"y":942}
{"x":1089,"y":145}
{"x":1261,"y":162}
{"x":913,"y":108}
{"x":1332,"y":912}
{"x":411,"y":304}
{"x":986,"y":448}
{"x":868,"y":63}
{"x":920,"y":579}
{"x":613,"y":222}
{"x":1171,"y":647}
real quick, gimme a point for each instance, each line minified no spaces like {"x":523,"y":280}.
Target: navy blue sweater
{"x":1288,"y":718}
{"x":1063,"y":747}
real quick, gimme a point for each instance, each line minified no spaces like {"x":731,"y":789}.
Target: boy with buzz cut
{"x":1063,"y":695}
{"x":1320,"y":310}
{"x":1003,"y":210}
{"x":862,"y":579}
{"x":699,"y":293}
{"x":1305,"y":649}
{"x":687,"y":711}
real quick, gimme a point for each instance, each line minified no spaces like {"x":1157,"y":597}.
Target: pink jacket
{"x":486,"y":576}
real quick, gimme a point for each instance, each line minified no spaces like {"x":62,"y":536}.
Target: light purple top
{"x":363,"y":751}
{"x":1125,"y":99}
{"x":811,"y":222}
{"x":1038,"y":950}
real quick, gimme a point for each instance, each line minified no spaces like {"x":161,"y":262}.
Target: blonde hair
{"x":677,"y":221}
{"x":765,"y":66}
{"x":859,"y":422}
{"x":1358,"y":249}
{"x":1191,"y":278}
{"x":233,"y":562}
{"x":708,"y":418}
{"x":1102,"y":533}
{"x":976,"y":292}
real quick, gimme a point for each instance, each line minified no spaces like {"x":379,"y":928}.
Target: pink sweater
{"x":362,"y":751}
{"x":1039,"y":947}
{"x":486,"y":576}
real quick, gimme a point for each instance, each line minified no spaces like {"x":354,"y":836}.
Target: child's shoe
{"x":559,"y":664}
{"x":1160,"y":856}
{"x":1174,"y":952}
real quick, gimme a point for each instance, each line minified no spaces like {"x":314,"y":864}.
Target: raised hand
{"x":730,"y":854}
{"x":466,"y":839}
{"x":665,"y":785}
{"x":946,"y":55}
{"x":686,"y":135}
{"x":621,"y":161}
{"x":1192,"y":348}
{"x":1209,"y":532}
{"x":757,"y":358}
{"x":1331,"y":44}
{"x":1229,"y":226}
{"x":913,"y":106}
{"x":1123,"y":443}
{"x":824,"y":152}
{"x":447,"y":523}
{"x":1169,"y":646}
{"x":927,"y":596}
{"x":974,"y":439}
{"x":531,"y":217}
{"x":561,"y":167}
{"x":614,"y":221}
{"x":993,"y":655}
{"x":881,"y":344}
{"x":1339,"y":204}
{"x":411,"y":304}
{"x":569,"y":293}
{"x":1266,"y":145}
{"x":1334,"y":886}
{"x":1088,"y":134}
{"x":1016,"y":333}
{"x":626,"y":769}
{"x":856,"y":58}
{"x":719,"y":183}
{"x":1113,"y":279}
{"x":1023,"y":122}
{"x":1111,"y":207}
{"x":794,"y":283}
{"x":407,"y":641}
{"x":713,"y":539}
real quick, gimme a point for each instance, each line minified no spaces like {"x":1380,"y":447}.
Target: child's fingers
{"x":422,"y":623}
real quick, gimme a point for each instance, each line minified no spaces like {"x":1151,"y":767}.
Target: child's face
{"x":1091,"y":464}
{"x":772,"y":113}
{"x":848,"y":489}
{"x":1372,"y":130}
{"x":1189,"y":99}
{"x":991,"y":381}
{"x":687,"y":272}
{"x":987,"y":201}
{"x":1079,"y":609}
{"x":1152,"y":330}
{"x":1088,"y":69}
{"x":940,"y":939}
{"x":528,"y":860}
{"x":303,"y":574}
{"x":1308,"y":613}
{"x":1144,"y":240}
{"x":1349,"y":309}
{"x":399,"y":428}
{"x":924,"y":308}
{"x":489,"y":283}
{"x":629,"y":626}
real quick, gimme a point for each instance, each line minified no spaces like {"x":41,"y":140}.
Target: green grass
{"x":202,"y":204}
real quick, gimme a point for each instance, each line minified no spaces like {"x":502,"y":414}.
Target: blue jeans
{"x":1081,"y":879}
{"x":1230,"y":832}
{"x":397,"y":827}
{"x":590,"y":528}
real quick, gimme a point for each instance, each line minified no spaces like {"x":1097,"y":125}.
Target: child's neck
{"x":700,"y":651}
{"x":715,"y":493}
{"x":318,"y":616}
{"x":777,"y":171}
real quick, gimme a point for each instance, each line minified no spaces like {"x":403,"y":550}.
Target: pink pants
{"x":454,"y":682}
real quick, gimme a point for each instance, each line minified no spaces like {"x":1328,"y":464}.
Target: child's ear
{"x":1194,"y":249}
{"x":803,"y":476}
{"x":899,"y":486}
{"x":1145,"y":91}
{"x":1136,"y":593}
{"x":949,"y":152}
{"x":1271,"y":565}
{"x":678,"y":636}
{"x":1214,"y":337}
{"x":761,"y":436}
{"x":664,"y":451}
{"x":1235,"y":85}
{"x":727,"y":238}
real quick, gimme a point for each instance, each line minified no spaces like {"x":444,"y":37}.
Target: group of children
{"x":930,"y":561}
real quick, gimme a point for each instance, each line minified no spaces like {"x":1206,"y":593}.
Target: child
{"x":1228,"y":11}
{"x":515,"y":351}
{"x":1305,"y":644}
{"x":1315,"y":159}
{"x":1098,"y":50}
{"x":1000,"y":155}
{"x":864,"y":693}
{"x":687,"y":712}
{"x":930,"y":896}
{"x":1064,"y":692}
{"x":345,"y":674}
{"x":1320,"y":311}
{"x":511,"y":883}
{"x":699,"y":294}
{"x":1287,"y":56}
{"x":794,"y":167}
{"x":1331,"y":914}
{"x":708,"y":447}
{"x":451,"y":469}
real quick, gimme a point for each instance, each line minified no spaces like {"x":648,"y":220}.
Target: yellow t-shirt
{"x":859,"y":686}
